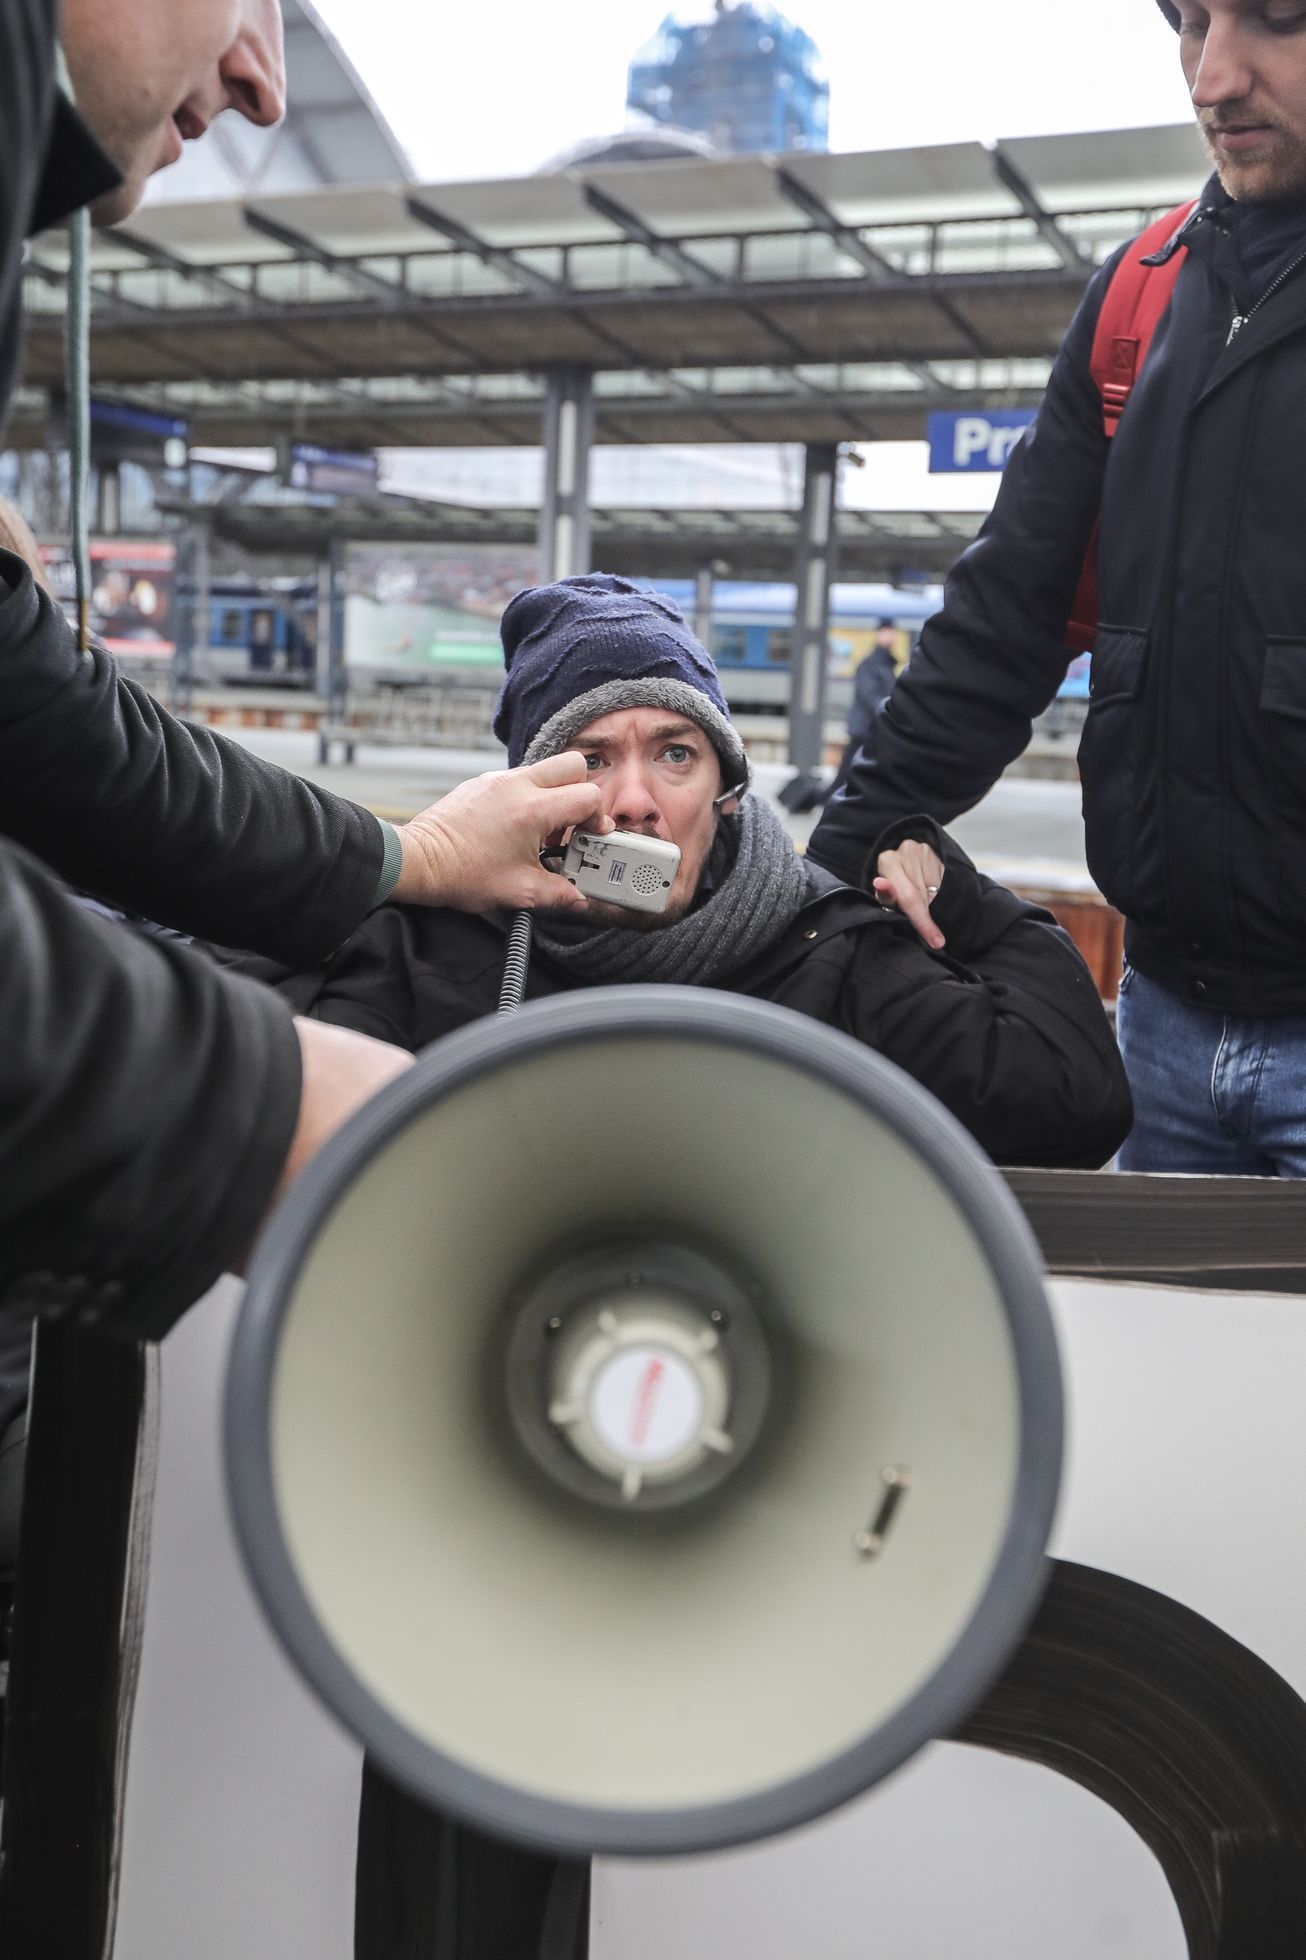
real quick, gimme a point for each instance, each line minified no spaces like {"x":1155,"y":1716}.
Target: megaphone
{"x":644,"y":1422}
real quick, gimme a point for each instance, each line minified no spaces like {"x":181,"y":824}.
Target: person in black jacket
{"x":1193,"y":759}
{"x":1003,"y":1023}
{"x":872,"y":685}
{"x":151,"y":1106}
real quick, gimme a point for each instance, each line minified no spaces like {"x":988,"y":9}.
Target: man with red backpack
{"x":1193,"y":761}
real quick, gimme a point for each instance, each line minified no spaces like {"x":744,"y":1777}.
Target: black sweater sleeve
{"x":995,"y":655}
{"x":147,"y":1104}
{"x":169,"y":820}
{"x":1004,"y":1026}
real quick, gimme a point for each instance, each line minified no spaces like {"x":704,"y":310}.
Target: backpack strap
{"x":1132,"y":305}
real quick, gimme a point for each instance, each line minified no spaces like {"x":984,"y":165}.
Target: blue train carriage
{"x":752,"y":642}
{"x":753,"y":628}
{"x":261,"y":633}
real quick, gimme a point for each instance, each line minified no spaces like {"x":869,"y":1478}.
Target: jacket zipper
{"x":1241,"y":319}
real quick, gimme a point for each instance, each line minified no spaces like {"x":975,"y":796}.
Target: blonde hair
{"x":16,"y":535}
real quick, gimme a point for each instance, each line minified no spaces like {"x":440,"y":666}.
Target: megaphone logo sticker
{"x":646,"y":1405}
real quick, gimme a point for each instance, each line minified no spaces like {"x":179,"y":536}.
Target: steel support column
{"x":704,"y":585}
{"x":108,"y":501}
{"x":193,"y":638}
{"x":564,"y":507}
{"x":332,"y":682}
{"x":813,"y":577}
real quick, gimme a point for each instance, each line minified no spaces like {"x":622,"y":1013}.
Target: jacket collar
{"x":76,"y":171}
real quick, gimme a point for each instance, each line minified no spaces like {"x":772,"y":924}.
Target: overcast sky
{"x":496,"y":87}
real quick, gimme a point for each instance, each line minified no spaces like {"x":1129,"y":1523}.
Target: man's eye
{"x":678,"y":752}
{"x":593,"y":762}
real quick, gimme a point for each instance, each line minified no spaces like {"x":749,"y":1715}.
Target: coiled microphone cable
{"x":515,"y":965}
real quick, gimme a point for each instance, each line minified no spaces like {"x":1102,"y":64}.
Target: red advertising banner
{"x":132,"y":593}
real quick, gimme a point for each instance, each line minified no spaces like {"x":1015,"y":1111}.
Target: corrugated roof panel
{"x":349,"y":220}
{"x":520,"y":210}
{"x":1112,"y":167}
{"x":683,"y":197}
{"x":881,"y":187}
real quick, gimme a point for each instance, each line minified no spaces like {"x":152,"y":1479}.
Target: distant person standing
{"x":872,"y":685}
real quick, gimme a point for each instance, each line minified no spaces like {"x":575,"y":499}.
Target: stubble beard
{"x":1276,"y":177}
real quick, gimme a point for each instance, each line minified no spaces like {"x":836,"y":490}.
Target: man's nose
{"x":630,"y":801}
{"x":253,"y":69}
{"x":1224,"y":73}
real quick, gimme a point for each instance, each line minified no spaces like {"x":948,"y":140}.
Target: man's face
{"x":150,"y":74}
{"x":659,"y":775}
{"x":1245,"y":65}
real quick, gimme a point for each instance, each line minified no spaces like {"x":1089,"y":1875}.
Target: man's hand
{"x":479,"y":846}
{"x":907,"y":880}
{"x":341,"y":1071}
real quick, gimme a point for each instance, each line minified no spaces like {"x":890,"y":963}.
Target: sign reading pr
{"x":975,"y":439}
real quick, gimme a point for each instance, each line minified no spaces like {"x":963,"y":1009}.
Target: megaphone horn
{"x":644,"y":1422}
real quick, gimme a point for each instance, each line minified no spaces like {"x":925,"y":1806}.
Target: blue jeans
{"x":1213,"y":1092}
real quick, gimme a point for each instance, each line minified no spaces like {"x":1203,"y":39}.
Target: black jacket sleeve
{"x":1004,"y":1026}
{"x":169,"y":820}
{"x":147,"y":1104}
{"x":26,"y":105}
{"x":995,"y":655}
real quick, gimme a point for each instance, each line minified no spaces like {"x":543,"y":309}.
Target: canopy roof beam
{"x":1071,"y":255}
{"x":165,"y":261}
{"x":369,"y":284}
{"x":850,"y":241}
{"x":497,"y":257}
{"x":674,"y":256}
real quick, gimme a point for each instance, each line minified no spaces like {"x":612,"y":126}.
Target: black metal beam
{"x":166,"y":261}
{"x":308,"y":248}
{"x":663,"y":249}
{"x":1070,"y":254}
{"x":497,"y":257}
{"x":850,"y":241}
{"x":956,"y":318}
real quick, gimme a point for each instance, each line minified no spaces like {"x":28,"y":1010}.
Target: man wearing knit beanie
{"x":1193,"y":759}
{"x":1005,"y":1026}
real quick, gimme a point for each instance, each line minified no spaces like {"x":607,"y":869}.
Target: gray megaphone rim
{"x":1020,"y":1570}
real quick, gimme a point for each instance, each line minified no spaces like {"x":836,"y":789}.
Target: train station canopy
{"x":645,"y":542}
{"x":794,"y":298}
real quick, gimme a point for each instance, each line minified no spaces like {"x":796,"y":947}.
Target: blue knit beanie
{"x":588,"y":646}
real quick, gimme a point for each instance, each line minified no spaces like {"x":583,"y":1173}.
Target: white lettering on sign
{"x":975,"y":435}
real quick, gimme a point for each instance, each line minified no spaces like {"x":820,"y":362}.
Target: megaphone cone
{"x":644,"y":1422}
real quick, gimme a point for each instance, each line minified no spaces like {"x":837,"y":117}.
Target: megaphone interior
{"x":644,"y":1422}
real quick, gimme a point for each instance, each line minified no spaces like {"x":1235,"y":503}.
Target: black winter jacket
{"x":146,"y":1099}
{"x":1005,"y":1027}
{"x":1193,"y":758}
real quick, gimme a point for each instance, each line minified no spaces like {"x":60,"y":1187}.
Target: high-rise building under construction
{"x":745,"y":78}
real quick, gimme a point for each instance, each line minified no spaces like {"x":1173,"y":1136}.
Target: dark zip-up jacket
{"x":1005,"y":1027}
{"x":147,"y":1100}
{"x":1193,"y":759}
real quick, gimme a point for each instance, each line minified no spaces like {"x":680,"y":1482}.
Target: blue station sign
{"x":973,"y":439}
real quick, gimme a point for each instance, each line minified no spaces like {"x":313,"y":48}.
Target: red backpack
{"x":1135,"y":300}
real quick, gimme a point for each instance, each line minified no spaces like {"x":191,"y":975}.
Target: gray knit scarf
{"x":761,"y":884}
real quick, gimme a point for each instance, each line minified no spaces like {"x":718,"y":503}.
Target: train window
{"x":779,"y":646}
{"x":231,"y":626}
{"x":729,"y":642}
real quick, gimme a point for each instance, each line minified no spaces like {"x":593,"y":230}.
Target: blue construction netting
{"x":744,"y":77}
